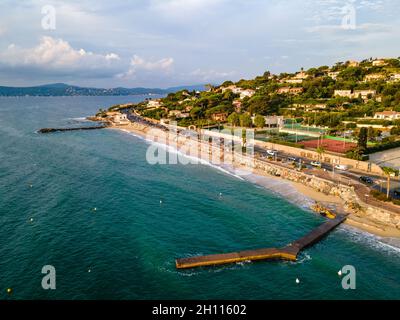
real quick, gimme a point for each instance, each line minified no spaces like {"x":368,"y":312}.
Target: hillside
{"x":337,"y":100}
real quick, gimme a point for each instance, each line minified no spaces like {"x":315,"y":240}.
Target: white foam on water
{"x":388,"y":245}
{"x":134,"y":135}
{"x":194,"y":160}
{"x":289,"y":192}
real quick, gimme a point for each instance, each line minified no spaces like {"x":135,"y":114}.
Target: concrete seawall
{"x":373,"y":216}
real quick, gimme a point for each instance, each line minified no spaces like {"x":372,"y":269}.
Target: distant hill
{"x":62,"y":89}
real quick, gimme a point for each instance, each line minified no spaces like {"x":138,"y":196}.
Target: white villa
{"x":289,"y":90}
{"x":379,"y":63}
{"x":395,"y":77}
{"x":118,"y":118}
{"x":374,"y":77}
{"x":178,"y":114}
{"x":365,"y":94}
{"x":297,"y":79}
{"x":273,"y":121}
{"x":387,"y":115}
{"x":310,"y":107}
{"x":242,"y":92}
{"x":344,"y":93}
{"x":292,"y":81}
{"x":153,"y":104}
{"x":333,"y":75}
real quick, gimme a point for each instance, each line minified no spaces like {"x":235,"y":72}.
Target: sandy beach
{"x":306,"y":192}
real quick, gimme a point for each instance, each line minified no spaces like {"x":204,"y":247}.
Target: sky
{"x":164,"y":43}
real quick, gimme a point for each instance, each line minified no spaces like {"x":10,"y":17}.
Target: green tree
{"x":196,"y":113}
{"x":259,"y":121}
{"x":363,"y":139}
{"x":245,"y":120}
{"x":234,"y":119}
{"x":321,"y":152}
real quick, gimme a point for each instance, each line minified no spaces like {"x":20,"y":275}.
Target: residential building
{"x":387,"y":115}
{"x":374,"y":77}
{"x":117,"y":118}
{"x":364,"y":94}
{"x":219,"y":117}
{"x":242,"y":92}
{"x":178,"y":114}
{"x":238,"y":105}
{"x":188,"y":108}
{"x":292,"y":81}
{"x":310,"y":107}
{"x":344,"y":93}
{"x":395,"y":77}
{"x":379,"y":63}
{"x":289,"y":90}
{"x":274,"y":121}
{"x":246,"y":93}
{"x":353,"y":63}
{"x":153,"y":104}
{"x":283,"y":90}
{"x":301,"y":75}
{"x":333,"y":75}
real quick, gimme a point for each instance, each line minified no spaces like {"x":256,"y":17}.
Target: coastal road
{"x":327,"y":171}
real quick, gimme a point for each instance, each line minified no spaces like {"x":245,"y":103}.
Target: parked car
{"x":366,"y":180}
{"x":292,"y":159}
{"x":342,"y":167}
{"x":272,"y":152}
{"x":316,"y":164}
{"x":396,"y":193}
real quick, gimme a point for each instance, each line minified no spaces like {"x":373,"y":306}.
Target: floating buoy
{"x":30,"y":186}
{"x":9,"y":290}
{"x":220,"y":194}
{"x":340,"y":272}
{"x":160,"y":201}
{"x":297,"y":281}
{"x":31,"y":219}
{"x":89,"y":270}
{"x":94,"y":209}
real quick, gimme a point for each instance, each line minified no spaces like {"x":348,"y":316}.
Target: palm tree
{"x":320,"y":151}
{"x":389,"y":173}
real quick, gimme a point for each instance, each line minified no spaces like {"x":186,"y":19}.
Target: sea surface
{"x":112,"y":225}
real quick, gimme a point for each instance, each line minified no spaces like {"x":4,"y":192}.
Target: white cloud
{"x":56,"y":54}
{"x":207,"y":75}
{"x":138,"y":63}
{"x":367,"y":28}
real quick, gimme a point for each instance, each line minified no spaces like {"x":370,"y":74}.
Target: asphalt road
{"x":348,"y":177}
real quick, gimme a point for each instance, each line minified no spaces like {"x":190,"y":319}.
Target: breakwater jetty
{"x":288,"y":253}
{"x":52,"y":130}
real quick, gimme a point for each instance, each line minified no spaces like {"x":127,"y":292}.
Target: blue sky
{"x":162,"y":43}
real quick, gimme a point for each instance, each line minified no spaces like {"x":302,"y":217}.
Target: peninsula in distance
{"x":62,"y":89}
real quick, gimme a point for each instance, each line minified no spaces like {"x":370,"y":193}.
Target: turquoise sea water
{"x":130,"y":243}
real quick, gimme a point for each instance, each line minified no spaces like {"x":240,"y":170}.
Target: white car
{"x":316,"y":164}
{"x":272,"y":152}
{"x":342,"y":167}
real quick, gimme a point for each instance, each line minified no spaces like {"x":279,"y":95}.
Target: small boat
{"x":323,"y":211}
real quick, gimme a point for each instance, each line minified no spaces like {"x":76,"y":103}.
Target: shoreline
{"x":307,"y":192}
